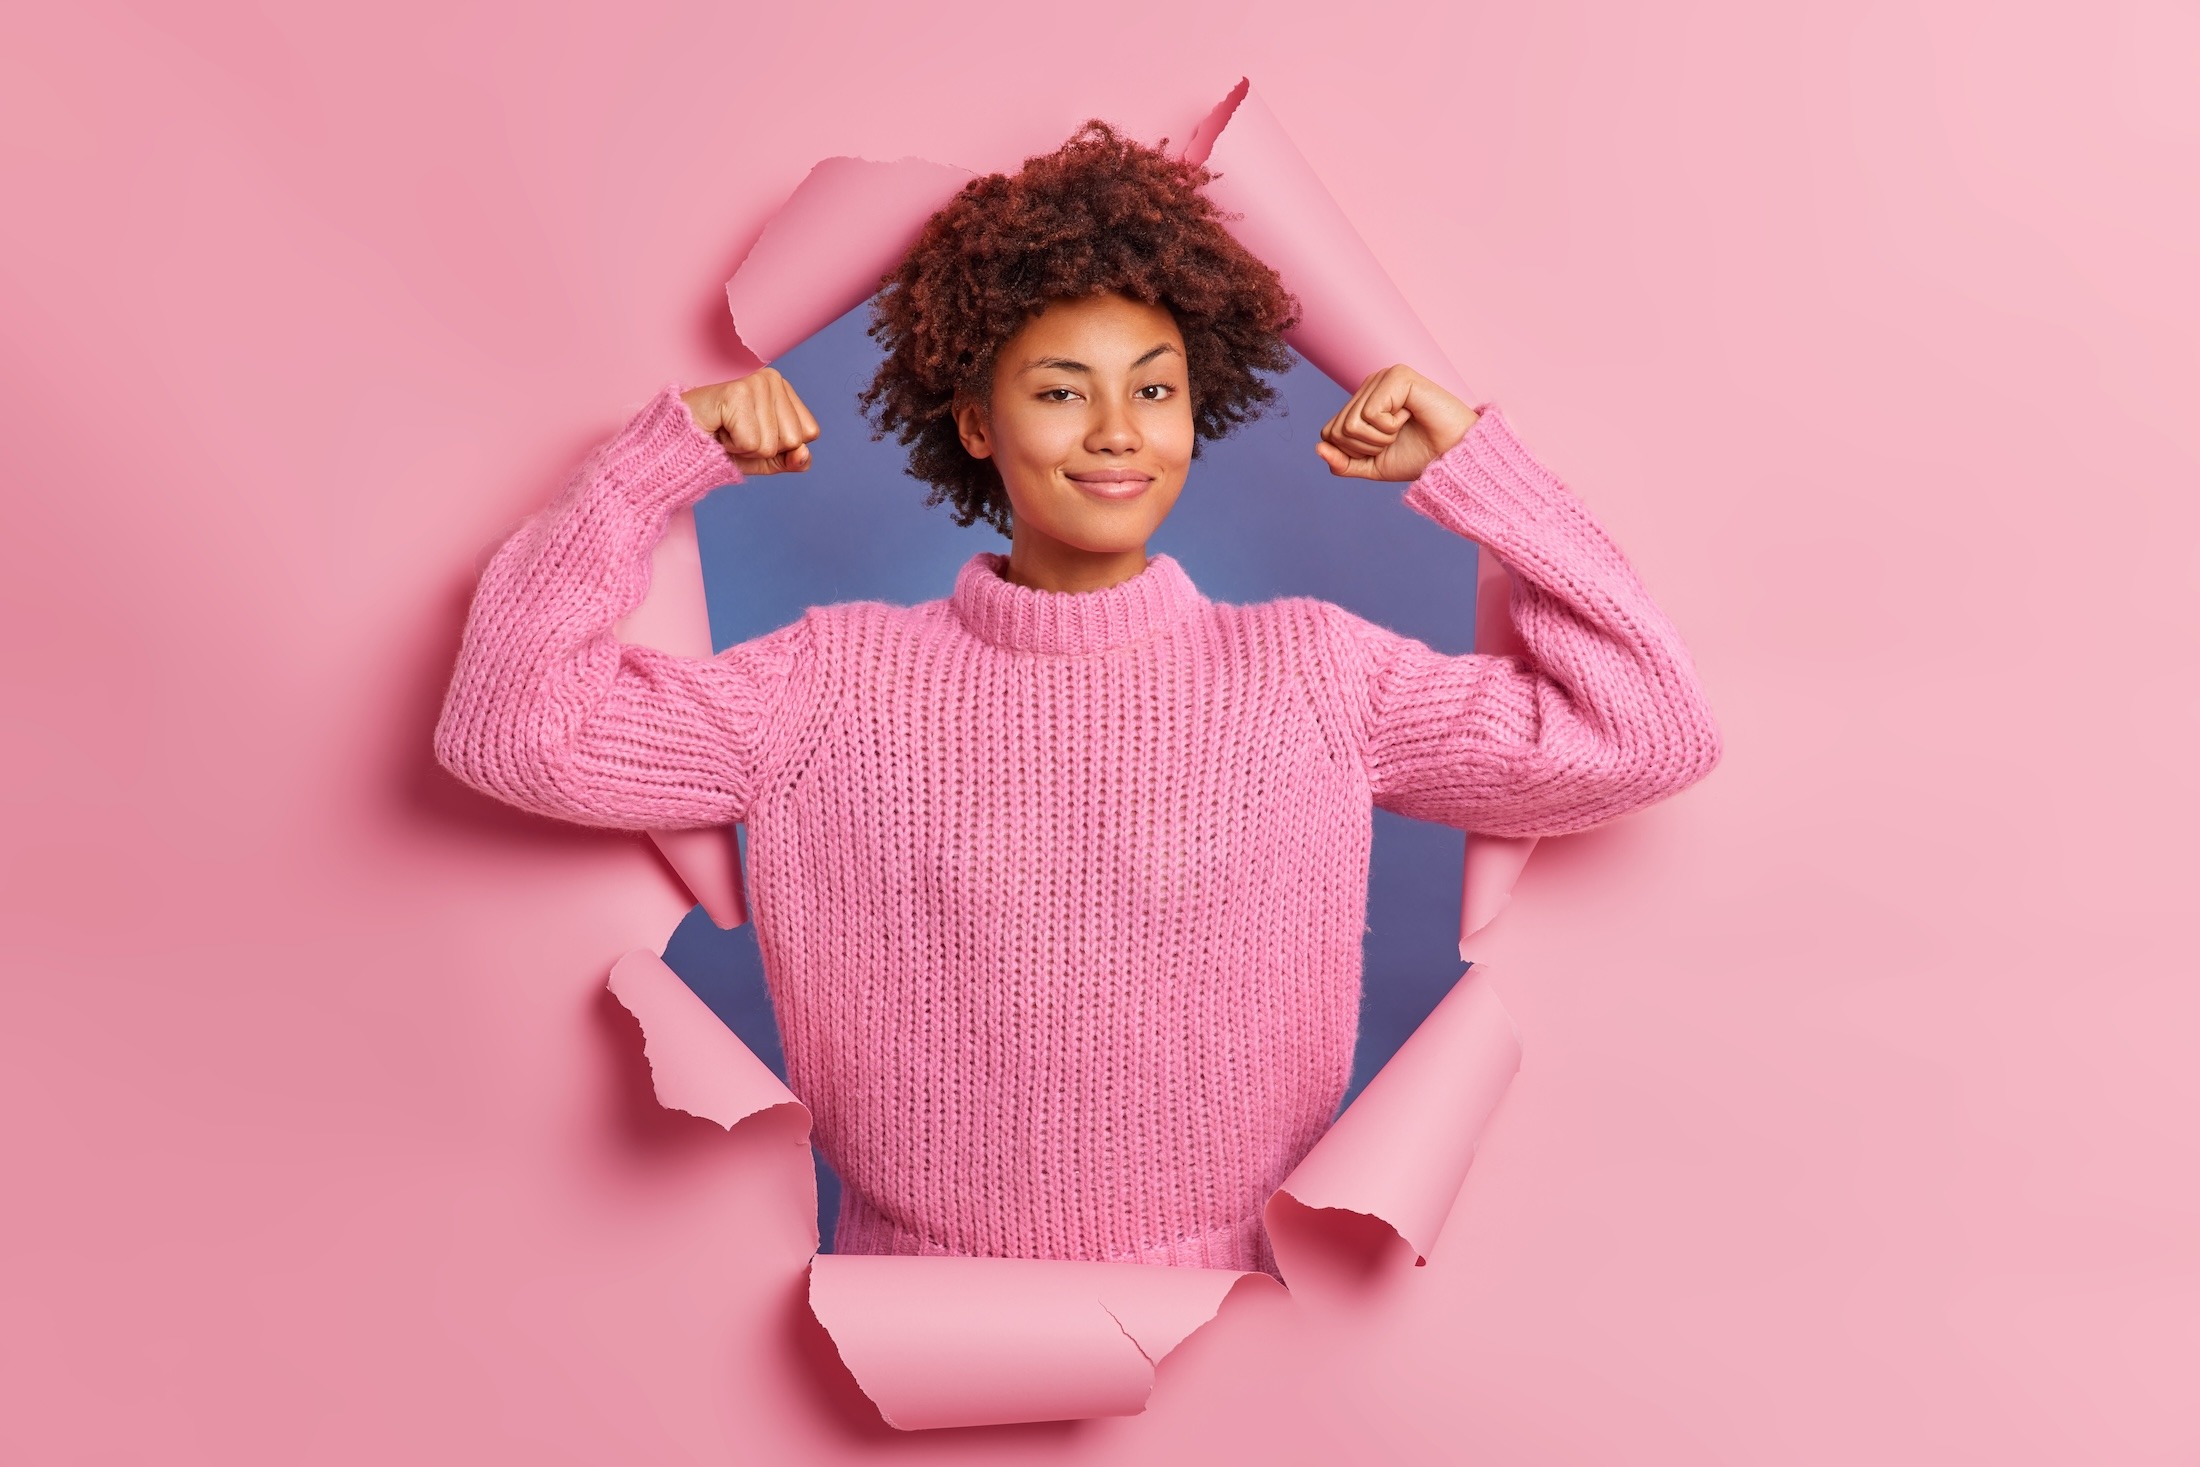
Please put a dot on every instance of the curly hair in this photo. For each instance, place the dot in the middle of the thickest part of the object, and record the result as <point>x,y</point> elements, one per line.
<point>1102,213</point>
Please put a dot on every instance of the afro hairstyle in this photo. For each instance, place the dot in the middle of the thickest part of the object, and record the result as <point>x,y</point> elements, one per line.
<point>1101,214</point>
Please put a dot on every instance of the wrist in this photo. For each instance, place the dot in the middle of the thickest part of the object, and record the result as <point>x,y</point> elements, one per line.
<point>1445,416</point>
<point>663,459</point>
<point>1455,433</point>
<point>695,400</point>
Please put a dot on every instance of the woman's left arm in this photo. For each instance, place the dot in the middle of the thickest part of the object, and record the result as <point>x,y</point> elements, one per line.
<point>1600,714</point>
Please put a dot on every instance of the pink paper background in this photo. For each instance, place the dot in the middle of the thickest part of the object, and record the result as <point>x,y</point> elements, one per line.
<point>1859,1114</point>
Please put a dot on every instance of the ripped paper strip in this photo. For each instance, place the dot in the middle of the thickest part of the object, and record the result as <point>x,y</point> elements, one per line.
<point>951,1341</point>
<point>848,223</point>
<point>993,1341</point>
<point>831,246</point>
<point>1354,321</point>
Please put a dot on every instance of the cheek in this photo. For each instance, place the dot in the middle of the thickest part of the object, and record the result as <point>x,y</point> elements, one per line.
<point>1162,509</point>
<point>1179,439</point>
<point>1038,440</point>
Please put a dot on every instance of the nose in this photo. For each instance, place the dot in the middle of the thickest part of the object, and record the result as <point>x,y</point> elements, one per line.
<point>1113,429</point>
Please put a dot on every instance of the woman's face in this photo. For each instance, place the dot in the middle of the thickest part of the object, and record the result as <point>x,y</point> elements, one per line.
<point>1090,423</point>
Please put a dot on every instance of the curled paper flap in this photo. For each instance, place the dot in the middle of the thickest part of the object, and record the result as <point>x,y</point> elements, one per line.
<point>941,1341</point>
<point>1399,1154</point>
<point>827,248</point>
<point>1486,880</point>
<point>1353,321</point>
<point>696,1063</point>
<point>708,863</point>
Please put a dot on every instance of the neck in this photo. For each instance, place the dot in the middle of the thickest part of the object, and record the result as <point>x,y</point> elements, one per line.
<point>1046,564</point>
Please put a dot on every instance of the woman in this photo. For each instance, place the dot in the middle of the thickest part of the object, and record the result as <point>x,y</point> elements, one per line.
<point>1060,880</point>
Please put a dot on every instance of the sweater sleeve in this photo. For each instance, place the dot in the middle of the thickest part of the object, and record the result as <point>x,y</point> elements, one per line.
<point>1602,712</point>
<point>549,711</point>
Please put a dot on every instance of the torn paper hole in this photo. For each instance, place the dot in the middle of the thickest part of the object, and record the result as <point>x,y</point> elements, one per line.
<point>950,1341</point>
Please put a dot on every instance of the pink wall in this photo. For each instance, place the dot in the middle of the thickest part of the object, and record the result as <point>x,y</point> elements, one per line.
<point>1858,1119</point>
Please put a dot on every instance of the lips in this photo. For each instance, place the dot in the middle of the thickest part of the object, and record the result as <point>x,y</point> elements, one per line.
<point>1112,483</point>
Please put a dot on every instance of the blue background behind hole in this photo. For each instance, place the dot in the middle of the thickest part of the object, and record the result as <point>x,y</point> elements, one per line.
<point>1259,518</point>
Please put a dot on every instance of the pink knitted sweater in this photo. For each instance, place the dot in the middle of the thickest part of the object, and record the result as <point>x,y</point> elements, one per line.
<point>1061,896</point>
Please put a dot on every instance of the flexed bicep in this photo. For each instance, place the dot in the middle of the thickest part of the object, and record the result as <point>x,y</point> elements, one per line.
<point>548,710</point>
<point>1490,744</point>
<point>1517,746</point>
<point>682,742</point>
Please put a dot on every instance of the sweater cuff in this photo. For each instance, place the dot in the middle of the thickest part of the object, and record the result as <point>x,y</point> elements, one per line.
<point>1488,481</point>
<point>662,461</point>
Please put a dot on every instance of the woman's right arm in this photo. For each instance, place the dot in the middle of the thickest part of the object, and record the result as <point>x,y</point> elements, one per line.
<point>548,710</point>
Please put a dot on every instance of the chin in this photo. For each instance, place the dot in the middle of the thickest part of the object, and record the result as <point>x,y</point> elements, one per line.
<point>1116,542</point>
<point>1099,529</point>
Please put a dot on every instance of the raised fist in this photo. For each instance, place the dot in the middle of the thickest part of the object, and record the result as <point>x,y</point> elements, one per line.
<point>1396,425</point>
<point>762,424</point>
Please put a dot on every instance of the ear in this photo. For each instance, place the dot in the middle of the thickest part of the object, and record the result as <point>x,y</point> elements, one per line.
<point>972,426</point>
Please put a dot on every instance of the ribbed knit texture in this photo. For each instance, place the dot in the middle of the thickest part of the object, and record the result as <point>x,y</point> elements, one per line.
<point>1061,896</point>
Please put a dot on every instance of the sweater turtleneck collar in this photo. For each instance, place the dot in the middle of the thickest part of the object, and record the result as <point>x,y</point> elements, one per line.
<point>1024,619</point>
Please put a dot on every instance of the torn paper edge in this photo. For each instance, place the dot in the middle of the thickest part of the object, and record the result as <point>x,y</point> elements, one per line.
<point>943,1341</point>
<point>829,247</point>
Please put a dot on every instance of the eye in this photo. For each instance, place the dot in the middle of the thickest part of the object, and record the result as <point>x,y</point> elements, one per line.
<point>1159,389</point>
<point>1057,394</point>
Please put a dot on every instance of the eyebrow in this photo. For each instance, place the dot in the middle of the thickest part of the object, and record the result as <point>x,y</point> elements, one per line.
<point>1065,364</point>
